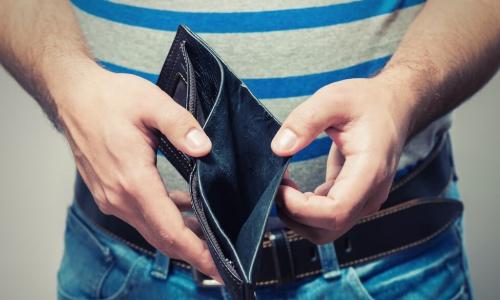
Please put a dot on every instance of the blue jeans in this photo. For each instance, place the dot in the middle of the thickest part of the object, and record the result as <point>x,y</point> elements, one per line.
<point>98,266</point>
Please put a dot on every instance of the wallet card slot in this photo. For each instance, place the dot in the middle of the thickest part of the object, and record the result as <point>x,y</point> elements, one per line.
<point>180,94</point>
<point>207,74</point>
<point>192,99</point>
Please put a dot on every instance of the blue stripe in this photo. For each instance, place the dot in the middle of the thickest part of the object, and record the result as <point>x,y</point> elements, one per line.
<point>225,22</point>
<point>317,148</point>
<point>120,69</point>
<point>294,86</point>
<point>284,87</point>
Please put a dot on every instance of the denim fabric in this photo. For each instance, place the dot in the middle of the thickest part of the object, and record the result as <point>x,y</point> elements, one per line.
<point>98,266</point>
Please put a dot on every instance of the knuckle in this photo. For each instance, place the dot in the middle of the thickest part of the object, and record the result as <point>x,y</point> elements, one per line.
<point>319,238</point>
<point>114,195</point>
<point>171,238</point>
<point>104,206</point>
<point>331,218</point>
<point>114,200</point>
<point>175,117</point>
<point>107,202</point>
<point>343,222</point>
<point>167,240</point>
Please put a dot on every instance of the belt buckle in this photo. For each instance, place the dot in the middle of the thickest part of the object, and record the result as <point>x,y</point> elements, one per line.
<point>203,280</point>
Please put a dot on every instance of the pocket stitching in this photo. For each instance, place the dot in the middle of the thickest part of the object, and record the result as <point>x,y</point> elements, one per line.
<point>129,281</point>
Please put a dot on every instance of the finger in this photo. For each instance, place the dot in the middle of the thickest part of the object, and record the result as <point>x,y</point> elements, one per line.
<point>287,173</point>
<point>181,199</point>
<point>353,187</point>
<point>334,163</point>
<point>309,209</point>
<point>99,196</point>
<point>305,123</point>
<point>193,224</point>
<point>166,226</point>
<point>289,182</point>
<point>315,235</point>
<point>177,124</point>
<point>333,166</point>
<point>356,180</point>
<point>324,188</point>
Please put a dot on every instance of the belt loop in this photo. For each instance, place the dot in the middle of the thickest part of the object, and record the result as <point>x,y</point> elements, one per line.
<point>329,262</point>
<point>160,266</point>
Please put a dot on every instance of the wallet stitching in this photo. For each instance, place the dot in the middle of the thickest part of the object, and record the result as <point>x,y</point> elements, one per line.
<point>170,70</point>
<point>180,158</point>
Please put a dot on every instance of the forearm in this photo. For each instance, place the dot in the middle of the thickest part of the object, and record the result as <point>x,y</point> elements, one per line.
<point>40,44</point>
<point>448,53</point>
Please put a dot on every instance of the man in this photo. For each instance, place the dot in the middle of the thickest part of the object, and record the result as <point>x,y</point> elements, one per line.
<point>377,77</point>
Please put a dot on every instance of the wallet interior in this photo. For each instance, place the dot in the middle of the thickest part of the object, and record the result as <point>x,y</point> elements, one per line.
<point>237,181</point>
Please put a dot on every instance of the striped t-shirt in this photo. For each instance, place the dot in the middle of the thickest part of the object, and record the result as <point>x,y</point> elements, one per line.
<point>283,50</point>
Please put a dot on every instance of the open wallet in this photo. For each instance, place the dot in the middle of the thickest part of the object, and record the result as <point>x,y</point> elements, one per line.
<point>233,187</point>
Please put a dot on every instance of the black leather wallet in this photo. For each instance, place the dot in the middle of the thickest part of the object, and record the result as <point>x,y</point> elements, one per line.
<point>233,187</point>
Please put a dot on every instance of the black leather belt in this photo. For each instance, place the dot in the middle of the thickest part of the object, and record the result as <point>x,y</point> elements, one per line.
<point>414,213</point>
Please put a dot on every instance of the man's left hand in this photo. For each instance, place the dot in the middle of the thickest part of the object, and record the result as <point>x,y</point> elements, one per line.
<point>369,121</point>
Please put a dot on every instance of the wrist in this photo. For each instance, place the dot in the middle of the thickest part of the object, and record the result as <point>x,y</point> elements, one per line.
<point>410,89</point>
<point>66,78</point>
<point>63,74</point>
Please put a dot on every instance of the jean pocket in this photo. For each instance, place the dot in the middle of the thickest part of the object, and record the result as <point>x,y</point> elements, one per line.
<point>91,268</point>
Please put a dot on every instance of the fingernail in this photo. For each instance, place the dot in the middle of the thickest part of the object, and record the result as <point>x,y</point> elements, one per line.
<point>286,140</point>
<point>219,280</point>
<point>196,138</point>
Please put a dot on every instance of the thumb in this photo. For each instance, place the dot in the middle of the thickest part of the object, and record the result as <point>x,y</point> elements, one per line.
<point>178,125</point>
<point>305,123</point>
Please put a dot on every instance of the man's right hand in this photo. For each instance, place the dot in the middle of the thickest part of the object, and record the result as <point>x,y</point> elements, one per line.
<point>109,120</point>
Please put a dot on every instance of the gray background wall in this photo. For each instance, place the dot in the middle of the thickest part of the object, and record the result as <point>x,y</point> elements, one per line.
<point>36,177</point>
